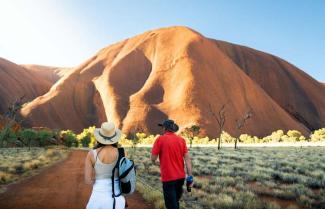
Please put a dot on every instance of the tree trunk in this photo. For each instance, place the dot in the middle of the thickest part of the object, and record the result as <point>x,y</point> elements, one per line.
<point>236,143</point>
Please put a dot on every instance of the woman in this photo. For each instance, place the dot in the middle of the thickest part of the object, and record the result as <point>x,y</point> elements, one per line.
<point>98,169</point>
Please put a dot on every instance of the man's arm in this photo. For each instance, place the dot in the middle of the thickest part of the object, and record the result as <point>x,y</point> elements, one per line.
<point>188,164</point>
<point>155,151</point>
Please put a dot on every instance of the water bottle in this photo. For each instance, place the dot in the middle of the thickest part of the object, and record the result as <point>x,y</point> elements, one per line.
<point>189,181</point>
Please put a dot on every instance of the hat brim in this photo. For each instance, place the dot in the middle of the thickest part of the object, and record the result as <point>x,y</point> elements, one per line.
<point>160,124</point>
<point>102,140</point>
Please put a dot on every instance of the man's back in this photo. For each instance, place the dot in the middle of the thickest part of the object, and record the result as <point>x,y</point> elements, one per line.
<point>171,150</point>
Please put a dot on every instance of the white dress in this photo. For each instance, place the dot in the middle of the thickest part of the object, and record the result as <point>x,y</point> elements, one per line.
<point>101,196</point>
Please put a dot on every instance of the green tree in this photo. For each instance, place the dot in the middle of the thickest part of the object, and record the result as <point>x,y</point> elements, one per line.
<point>28,136</point>
<point>191,132</point>
<point>9,137</point>
<point>44,136</point>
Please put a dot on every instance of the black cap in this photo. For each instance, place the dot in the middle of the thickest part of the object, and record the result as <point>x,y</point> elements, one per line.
<point>169,125</point>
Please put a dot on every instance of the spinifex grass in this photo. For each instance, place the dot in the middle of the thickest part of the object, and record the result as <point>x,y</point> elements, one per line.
<point>249,177</point>
<point>20,162</point>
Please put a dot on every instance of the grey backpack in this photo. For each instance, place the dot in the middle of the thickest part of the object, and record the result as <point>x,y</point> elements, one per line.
<point>126,173</point>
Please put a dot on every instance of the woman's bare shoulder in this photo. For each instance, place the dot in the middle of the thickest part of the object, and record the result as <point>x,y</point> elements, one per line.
<point>90,155</point>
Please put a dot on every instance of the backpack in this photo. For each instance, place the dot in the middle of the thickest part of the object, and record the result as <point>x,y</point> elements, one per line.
<point>126,174</point>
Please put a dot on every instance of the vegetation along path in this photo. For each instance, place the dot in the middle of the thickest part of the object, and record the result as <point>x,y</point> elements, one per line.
<point>60,186</point>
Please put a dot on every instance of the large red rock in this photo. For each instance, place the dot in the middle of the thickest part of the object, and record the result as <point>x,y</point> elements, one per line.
<point>295,91</point>
<point>48,73</point>
<point>17,81</point>
<point>178,73</point>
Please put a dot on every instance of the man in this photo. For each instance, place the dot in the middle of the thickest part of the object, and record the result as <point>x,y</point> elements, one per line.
<point>172,152</point>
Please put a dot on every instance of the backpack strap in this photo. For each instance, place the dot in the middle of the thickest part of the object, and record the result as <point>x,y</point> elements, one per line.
<point>96,155</point>
<point>121,154</point>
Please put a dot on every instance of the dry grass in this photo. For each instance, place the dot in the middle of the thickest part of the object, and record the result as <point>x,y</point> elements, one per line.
<point>18,163</point>
<point>224,178</point>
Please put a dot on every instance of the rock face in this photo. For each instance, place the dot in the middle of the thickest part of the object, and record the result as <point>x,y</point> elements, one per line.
<point>297,93</point>
<point>48,73</point>
<point>17,81</point>
<point>178,73</point>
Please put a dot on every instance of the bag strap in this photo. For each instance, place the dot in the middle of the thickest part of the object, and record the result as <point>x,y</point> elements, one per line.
<point>96,153</point>
<point>121,154</point>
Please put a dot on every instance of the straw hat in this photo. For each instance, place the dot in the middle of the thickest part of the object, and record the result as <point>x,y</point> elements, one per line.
<point>108,133</point>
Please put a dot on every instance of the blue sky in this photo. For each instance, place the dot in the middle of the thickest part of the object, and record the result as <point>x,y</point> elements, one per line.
<point>67,32</point>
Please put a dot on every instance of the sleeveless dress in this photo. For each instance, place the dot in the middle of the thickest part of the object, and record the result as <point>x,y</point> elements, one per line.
<point>101,196</point>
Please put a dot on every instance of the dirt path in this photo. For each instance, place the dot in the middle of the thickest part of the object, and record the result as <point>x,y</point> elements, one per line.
<point>58,187</point>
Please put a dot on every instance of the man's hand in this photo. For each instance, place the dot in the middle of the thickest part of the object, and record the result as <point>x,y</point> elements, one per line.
<point>189,183</point>
<point>154,158</point>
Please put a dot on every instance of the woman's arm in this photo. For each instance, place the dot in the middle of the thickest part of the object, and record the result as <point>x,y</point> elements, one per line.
<point>89,170</point>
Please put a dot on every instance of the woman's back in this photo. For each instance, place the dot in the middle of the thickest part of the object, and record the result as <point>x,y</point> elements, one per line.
<point>105,161</point>
<point>99,165</point>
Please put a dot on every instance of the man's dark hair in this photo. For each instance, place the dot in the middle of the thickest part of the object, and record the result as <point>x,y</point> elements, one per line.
<point>169,125</point>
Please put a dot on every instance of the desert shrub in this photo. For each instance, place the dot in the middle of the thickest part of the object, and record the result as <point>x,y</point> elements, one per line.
<point>34,164</point>
<point>125,142</point>
<point>305,201</point>
<point>258,175</point>
<point>272,205</point>
<point>85,137</point>
<point>226,137</point>
<point>224,201</point>
<point>245,138</point>
<point>283,194</point>
<point>299,189</point>
<point>4,177</point>
<point>69,138</point>
<point>318,135</point>
<point>43,136</point>
<point>19,162</point>
<point>315,183</point>
<point>295,135</point>
<point>225,181</point>
<point>228,172</point>
<point>143,139</point>
<point>292,207</point>
<point>274,137</point>
<point>201,183</point>
<point>28,136</point>
<point>151,195</point>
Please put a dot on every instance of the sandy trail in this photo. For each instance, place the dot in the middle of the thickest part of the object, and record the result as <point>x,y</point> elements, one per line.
<point>60,186</point>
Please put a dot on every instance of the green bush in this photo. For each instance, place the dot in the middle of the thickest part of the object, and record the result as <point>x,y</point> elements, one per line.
<point>86,138</point>
<point>44,136</point>
<point>28,136</point>
<point>69,138</point>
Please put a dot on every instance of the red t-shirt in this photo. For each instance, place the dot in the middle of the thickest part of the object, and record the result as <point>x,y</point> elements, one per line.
<point>171,150</point>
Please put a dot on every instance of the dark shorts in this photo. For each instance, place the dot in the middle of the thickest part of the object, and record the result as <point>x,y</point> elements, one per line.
<point>173,191</point>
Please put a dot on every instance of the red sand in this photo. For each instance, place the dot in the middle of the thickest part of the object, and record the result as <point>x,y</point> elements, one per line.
<point>60,186</point>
